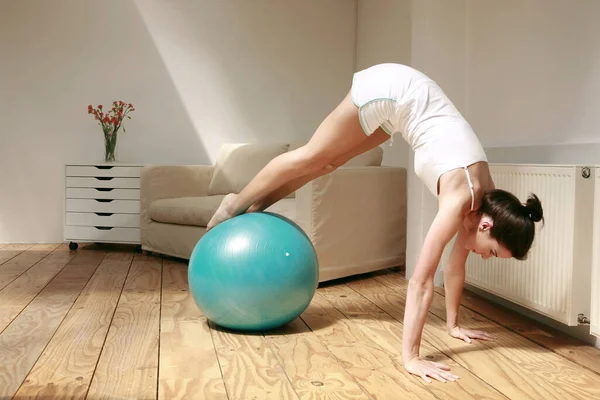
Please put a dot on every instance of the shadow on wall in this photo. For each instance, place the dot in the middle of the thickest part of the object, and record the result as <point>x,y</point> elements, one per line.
<point>255,71</point>
<point>175,138</point>
<point>61,56</point>
<point>200,73</point>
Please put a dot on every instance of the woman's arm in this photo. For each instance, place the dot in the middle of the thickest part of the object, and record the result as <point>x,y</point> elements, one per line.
<point>420,289</point>
<point>454,279</point>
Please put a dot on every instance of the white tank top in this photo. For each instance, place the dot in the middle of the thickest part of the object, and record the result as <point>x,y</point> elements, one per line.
<point>403,100</point>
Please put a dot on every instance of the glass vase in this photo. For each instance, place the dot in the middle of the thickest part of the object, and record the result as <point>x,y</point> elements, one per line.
<point>110,146</point>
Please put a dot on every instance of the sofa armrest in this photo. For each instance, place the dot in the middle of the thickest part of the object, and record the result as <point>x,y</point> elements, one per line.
<point>356,218</point>
<point>168,181</point>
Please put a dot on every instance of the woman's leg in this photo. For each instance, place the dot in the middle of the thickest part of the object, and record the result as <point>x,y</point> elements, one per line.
<point>375,139</point>
<point>338,133</point>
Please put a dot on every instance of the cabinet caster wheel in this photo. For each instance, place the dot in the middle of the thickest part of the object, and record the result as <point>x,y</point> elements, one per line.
<point>73,246</point>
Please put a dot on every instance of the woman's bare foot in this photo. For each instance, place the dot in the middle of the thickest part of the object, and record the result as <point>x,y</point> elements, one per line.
<point>223,213</point>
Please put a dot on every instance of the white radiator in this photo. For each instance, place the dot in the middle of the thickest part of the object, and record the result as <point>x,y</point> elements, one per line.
<point>595,312</point>
<point>555,279</point>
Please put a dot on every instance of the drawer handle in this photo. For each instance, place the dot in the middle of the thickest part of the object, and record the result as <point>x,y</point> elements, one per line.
<point>103,166</point>
<point>103,228</point>
<point>104,189</point>
<point>104,214</point>
<point>104,200</point>
<point>104,178</point>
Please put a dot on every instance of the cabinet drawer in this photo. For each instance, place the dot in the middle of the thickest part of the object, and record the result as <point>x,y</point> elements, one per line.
<point>106,206</point>
<point>91,233</point>
<point>103,182</point>
<point>103,219</point>
<point>103,193</point>
<point>113,171</point>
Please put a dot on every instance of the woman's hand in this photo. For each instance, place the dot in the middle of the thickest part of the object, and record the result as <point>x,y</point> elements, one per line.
<point>424,368</point>
<point>468,334</point>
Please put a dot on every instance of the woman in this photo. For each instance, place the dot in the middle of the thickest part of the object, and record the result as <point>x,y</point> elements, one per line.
<point>389,99</point>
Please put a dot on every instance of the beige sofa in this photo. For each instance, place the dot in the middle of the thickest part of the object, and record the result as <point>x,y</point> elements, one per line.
<point>355,216</point>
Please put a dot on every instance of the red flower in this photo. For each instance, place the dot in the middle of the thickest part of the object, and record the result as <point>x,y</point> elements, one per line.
<point>111,120</point>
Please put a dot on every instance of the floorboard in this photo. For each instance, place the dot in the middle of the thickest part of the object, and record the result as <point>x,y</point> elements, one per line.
<point>24,339</point>
<point>13,268</point>
<point>250,368</point>
<point>371,366</point>
<point>128,366</point>
<point>108,322</point>
<point>16,295</point>
<point>494,370</point>
<point>9,251</point>
<point>66,366</point>
<point>188,366</point>
<point>547,372</point>
<point>313,371</point>
<point>381,327</point>
<point>567,346</point>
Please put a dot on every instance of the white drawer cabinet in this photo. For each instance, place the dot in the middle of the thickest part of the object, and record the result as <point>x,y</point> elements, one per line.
<point>102,203</point>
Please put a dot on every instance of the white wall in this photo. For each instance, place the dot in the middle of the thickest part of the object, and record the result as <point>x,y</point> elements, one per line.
<point>533,86</point>
<point>199,73</point>
<point>522,73</point>
<point>533,69</point>
<point>428,35</point>
<point>525,74</point>
<point>384,35</point>
<point>584,153</point>
<point>438,36</point>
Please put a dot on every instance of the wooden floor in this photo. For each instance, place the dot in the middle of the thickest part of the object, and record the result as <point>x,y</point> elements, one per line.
<point>111,323</point>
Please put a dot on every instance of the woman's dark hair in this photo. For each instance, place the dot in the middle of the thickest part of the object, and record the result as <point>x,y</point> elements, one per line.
<point>514,222</point>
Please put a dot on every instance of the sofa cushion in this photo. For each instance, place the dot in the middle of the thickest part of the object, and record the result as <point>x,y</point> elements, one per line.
<point>185,210</point>
<point>238,163</point>
<point>371,158</point>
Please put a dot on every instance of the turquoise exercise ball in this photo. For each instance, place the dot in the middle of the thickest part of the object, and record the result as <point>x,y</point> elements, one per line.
<point>253,272</point>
